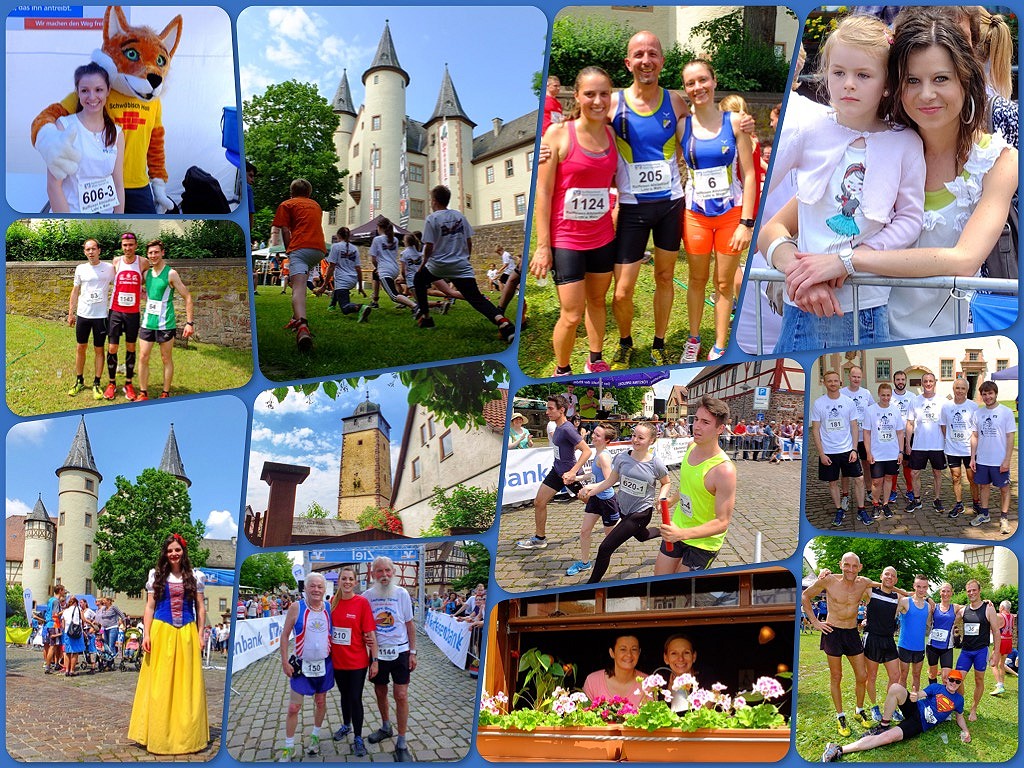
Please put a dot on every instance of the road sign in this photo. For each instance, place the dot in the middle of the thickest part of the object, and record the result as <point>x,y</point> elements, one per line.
<point>762,395</point>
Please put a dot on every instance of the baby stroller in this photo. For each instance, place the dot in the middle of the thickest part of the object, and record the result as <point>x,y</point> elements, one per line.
<point>106,656</point>
<point>131,654</point>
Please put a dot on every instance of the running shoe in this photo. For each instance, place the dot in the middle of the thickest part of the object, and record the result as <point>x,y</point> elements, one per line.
<point>894,497</point>
<point>842,727</point>
<point>691,351</point>
<point>364,313</point>
<point>954,513</point>
<point>715,353</point>
<point>447,306</point>
<point>837,521</point>
<point>374,305</point>
<point>887,511</point>
<point>566,372</point>
<point>292,325</point>
<point>865,517</point>
<point>342,732</point>
<point>97,393</point>
<point>833,752</point>
<point>844,503</point>
<point>876,511</point>
<point>868,498</point>
<point>534,542</point>
<point>129,392</point>
<point>976,507</point>
<point>143,395</point>
<point>358,748</point>
<point>876,714</point>
<point>506,330</point>
<point>110,391</point>
<point>425,321</point>
<point>939,506</point>
<point>287,755</point>
<point>164,395</point>
<point>303,338</point>
<point>598,366</point>
<point>578,567</point>
<point>862,719</point>
<point>999,690</point>
<point>1004,526</point>
<point>314,746</point>
<point>659,356</point>
<point>77,387</point>
<point>623,358</point>
<point>913,505</point>
<point>380,734</point>
<point>878,728</point>
<point>897,716</point>
<point>981,519</point>
<point>403,755</point>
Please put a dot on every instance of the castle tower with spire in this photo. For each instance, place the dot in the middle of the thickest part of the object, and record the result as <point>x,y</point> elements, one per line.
<point>37,563</point>
<point>77,507</point>
<point>365,475</point>
<point>449,117</point>
<point>171,462</point>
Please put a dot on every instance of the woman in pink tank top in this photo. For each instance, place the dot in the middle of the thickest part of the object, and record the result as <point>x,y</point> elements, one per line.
<point>573,211</point>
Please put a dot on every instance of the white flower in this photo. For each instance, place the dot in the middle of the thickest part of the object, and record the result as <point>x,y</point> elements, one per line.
<point>652,682</point>
<point>719,687</point>
<point>685,680</point>
<point>769,687</point>
<point>739,703</point>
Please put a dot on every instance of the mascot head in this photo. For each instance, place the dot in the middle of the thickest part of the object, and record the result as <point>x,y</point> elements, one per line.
<point>136,58</point>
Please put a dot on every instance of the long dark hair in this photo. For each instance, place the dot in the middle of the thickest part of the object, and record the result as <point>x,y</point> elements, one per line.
<point>920,28</point>
<point>344,233</point>
<point>109,128</point>
<point>610,669</point>
<point>389,231</point>
<point>163,570</point>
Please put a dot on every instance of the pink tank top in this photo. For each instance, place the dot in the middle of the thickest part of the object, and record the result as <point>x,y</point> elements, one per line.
<point>581,217</point>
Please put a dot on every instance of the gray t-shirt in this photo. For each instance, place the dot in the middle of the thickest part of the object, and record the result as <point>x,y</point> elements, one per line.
<point>345,258</point>
<point>565,438</point>
<point>449,233</point>
<point>639,482</point>
<point>413,260</point>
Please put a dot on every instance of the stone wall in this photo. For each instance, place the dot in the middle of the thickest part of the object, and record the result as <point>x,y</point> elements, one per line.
<point>489,237</point>
<point>219,288</point>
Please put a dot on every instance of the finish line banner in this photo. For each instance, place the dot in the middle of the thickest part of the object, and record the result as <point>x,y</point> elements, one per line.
<point>254,639</point>
<point>450,635</point>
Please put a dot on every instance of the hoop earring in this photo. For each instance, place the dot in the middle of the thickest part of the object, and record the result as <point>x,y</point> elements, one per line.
<point>970,118</point>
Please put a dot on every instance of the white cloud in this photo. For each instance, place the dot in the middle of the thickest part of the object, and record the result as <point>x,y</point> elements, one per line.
<point>321,485</point>
<point>29,432</point>
<point>221,524</point>
<point>299,439</point>
<point>282,53</point>
<point>17,507</point>
<point>294,402</point>
<point>293,23</point>
<point>254,80</point>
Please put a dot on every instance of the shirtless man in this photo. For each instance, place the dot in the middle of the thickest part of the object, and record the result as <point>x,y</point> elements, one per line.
<point>839,635</point>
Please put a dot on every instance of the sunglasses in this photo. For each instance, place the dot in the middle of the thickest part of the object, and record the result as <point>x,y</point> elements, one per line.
<point>955,681</point>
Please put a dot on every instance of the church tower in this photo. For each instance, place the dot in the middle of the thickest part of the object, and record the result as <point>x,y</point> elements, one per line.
<point>37,565</point>
<point>77,506</point>
<point>365,476</point>
<point>383,130</point>
<point>171,461</point>
<point>449,117</point>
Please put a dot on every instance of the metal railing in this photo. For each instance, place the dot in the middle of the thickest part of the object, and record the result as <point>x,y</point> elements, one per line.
<point>950,283</point>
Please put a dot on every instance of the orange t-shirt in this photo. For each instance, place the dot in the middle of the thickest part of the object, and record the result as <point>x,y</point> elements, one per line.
<point>303,216</point>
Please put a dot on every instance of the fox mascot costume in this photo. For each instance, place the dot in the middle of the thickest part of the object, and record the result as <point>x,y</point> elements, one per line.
<point>136,60</point>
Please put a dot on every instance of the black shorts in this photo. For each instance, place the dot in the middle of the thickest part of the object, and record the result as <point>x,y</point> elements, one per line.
<point>123,322</point>
<point>879,648</point>
<point>918,459</point>
<point>885,468</point>
<point>958,461</point>
<point>841,464</point>
<point>694,558</point>
<point>841,642</point>
<point>157,337</point>
<point>862,451</point>
<point>396,669</point>
<point>911,725</point>
<point>553,480</point>
<point>638,221</point>
<point>944,658</point>
<point>608,509</point>
<point>908,656</point>
<point>571,266</point>
<point>94,326</point>
<point>504,278</point>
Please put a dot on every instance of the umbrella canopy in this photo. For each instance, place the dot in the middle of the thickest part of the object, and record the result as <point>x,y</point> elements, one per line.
<point>633,379</point>
<point>364,233</point>
<point>1006,374</point>
<point>89,599</point>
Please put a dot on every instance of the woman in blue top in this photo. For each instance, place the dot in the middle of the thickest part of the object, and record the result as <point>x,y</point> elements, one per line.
<point>940,638</point>
<point>601,506</point>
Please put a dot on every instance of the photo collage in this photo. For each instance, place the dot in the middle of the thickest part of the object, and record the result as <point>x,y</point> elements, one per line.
<point>516,410</point>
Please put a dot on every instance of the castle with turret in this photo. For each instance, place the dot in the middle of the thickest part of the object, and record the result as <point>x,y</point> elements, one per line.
<point>393,160</point>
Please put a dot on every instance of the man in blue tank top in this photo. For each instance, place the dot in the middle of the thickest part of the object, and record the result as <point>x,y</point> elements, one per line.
<point>916,611</point>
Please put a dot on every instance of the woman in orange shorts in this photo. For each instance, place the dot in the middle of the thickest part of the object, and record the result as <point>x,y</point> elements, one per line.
<point>719,213</point>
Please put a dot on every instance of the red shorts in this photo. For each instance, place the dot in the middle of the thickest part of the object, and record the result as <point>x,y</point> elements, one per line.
<point>704,234</point>
<point>1005,645</point>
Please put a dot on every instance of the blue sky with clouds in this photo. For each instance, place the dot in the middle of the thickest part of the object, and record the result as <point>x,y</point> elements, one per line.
<point>211,438</point>
<point>307,431</point>
<point>491,53</point>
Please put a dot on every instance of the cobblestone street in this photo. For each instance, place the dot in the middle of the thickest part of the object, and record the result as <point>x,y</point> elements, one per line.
<point>767,501</point>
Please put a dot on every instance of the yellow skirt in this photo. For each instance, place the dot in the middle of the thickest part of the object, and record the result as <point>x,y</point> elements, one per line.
<point>169,716</point>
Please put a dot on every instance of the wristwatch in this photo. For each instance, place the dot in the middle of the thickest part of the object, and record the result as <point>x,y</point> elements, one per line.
<point>846,256</point>
<point>412,651</point>
<point>747,223</point>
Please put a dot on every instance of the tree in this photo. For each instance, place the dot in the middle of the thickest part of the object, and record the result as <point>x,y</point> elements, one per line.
<point>316,512</point>
<point>759,23</point>
<point>741,63</point>
<point>134,524</point>
<point>630,399</point>
<point>265,572</point>
<point>479,566</point>
<point>16,606</point>
<point>455,394</point>
<point>465,506</point>
<point>289,134</point>
<point>909,558</point>
<point>959,573</point>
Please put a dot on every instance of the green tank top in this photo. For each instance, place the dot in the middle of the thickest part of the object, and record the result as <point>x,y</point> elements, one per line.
<point>159,301</point>
<point>697,504</point>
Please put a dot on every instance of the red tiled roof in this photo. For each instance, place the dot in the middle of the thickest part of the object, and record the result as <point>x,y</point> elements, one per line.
<point>16,538</point>
<point>496,411</point>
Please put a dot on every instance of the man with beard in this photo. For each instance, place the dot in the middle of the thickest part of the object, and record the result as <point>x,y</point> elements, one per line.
<point>396,653</point>
<point>903,399</point>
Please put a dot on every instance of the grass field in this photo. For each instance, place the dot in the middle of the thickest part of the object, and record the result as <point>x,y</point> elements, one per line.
<point>41,369</point>
<point>536,356</point>
<point>341,345</point>
<point>993,736</point>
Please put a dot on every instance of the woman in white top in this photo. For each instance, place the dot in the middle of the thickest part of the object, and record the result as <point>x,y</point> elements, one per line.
<point>98,184</point>
<point>384,252</point>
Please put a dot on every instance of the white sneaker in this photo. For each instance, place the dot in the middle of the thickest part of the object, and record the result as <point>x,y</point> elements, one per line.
<point>533,542</point>
<point>980,519</point>
<point>844,504</point>
<point>1004,526</point>
<point>691,351</point>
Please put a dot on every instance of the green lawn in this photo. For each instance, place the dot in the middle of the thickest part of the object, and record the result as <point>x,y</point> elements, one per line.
<point>41,358</point>
<point>993,736</point>
<point>536,356</point>
<point>341,345</point>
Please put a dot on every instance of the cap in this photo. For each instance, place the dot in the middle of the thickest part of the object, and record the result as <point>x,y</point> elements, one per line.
<point>518,416</point>
<point>955,674</point>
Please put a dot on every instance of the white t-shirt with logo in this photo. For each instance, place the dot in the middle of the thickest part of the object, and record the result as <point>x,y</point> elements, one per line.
<point>925,413</point>
<point>992,425</point>
<point>883,423</point>
<point>861,398</point>
<point>93,283</point>
<point>834,417</point>
<point>958,421</point>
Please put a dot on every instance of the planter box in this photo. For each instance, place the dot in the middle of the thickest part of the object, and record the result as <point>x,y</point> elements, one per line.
<point>705,745</point>
<point>571,744</point>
